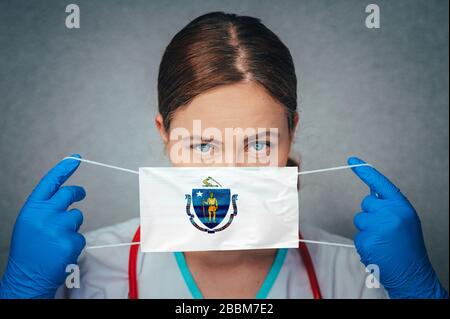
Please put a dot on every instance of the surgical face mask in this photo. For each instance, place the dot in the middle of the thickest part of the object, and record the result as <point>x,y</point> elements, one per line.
<point>218,208</point>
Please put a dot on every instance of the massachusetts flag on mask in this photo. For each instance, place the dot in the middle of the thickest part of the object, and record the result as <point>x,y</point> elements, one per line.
<point>218,208</point>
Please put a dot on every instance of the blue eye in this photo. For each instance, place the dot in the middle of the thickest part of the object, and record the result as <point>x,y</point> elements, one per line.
<point>204,147</point>
<point>258,146</point>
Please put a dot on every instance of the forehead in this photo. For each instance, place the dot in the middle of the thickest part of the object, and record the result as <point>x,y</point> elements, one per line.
<point>241,105</point>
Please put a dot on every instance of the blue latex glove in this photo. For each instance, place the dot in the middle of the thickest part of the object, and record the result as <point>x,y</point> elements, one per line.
<point>391,237</point>
<point>45,238</point>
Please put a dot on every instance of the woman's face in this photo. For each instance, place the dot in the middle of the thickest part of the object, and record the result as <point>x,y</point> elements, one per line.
<point>232,125</point>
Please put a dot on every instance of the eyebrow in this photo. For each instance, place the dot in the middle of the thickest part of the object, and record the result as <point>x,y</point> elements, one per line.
<point>268,134</point>
<point>259,135</point>
<point>198,137</point>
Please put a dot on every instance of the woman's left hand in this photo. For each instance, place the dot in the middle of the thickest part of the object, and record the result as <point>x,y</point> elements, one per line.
<point>390,236</point>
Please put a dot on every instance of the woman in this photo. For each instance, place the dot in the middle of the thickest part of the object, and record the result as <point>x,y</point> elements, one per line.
<point>227,71</point>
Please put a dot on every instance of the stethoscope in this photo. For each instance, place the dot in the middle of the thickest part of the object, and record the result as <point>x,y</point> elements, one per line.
<point>134,252</point>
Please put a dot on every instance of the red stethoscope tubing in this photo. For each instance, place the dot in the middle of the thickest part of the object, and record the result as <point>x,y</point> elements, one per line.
<point>134,252</point>
<point>132,266</point>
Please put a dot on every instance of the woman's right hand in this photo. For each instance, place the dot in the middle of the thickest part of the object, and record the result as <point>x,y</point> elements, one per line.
<point>45,238</point>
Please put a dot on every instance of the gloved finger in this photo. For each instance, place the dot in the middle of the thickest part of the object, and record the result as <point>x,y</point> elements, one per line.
<point>370,203</point>
<point>66,196</point>
<point>360,241</point>
<point>363,220</point>
<point>376,181</point>
<point>78,243</point>
<point>50,183</point>
<point>70,220</point>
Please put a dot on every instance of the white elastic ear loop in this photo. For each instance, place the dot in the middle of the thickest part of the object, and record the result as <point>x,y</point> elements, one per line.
<point>333,169</point>
<point>102,164</point>
<point>300,173</point>
<point>300,240</point>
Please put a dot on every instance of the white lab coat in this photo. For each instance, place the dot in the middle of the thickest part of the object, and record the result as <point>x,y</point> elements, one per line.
<point>104,272</point>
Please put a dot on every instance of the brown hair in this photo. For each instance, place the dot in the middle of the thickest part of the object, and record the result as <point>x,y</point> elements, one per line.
<point>218,49</point>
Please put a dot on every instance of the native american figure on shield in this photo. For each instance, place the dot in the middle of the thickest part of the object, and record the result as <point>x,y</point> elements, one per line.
<point>212,207</point>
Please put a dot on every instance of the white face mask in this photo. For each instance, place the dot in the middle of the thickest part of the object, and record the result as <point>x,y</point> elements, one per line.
<point>218,208</point>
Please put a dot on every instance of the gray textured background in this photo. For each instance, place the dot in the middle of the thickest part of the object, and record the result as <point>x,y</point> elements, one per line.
<point>379,94</point>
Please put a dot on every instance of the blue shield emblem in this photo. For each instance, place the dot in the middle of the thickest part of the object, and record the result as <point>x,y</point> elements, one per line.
<point>211,205</point>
